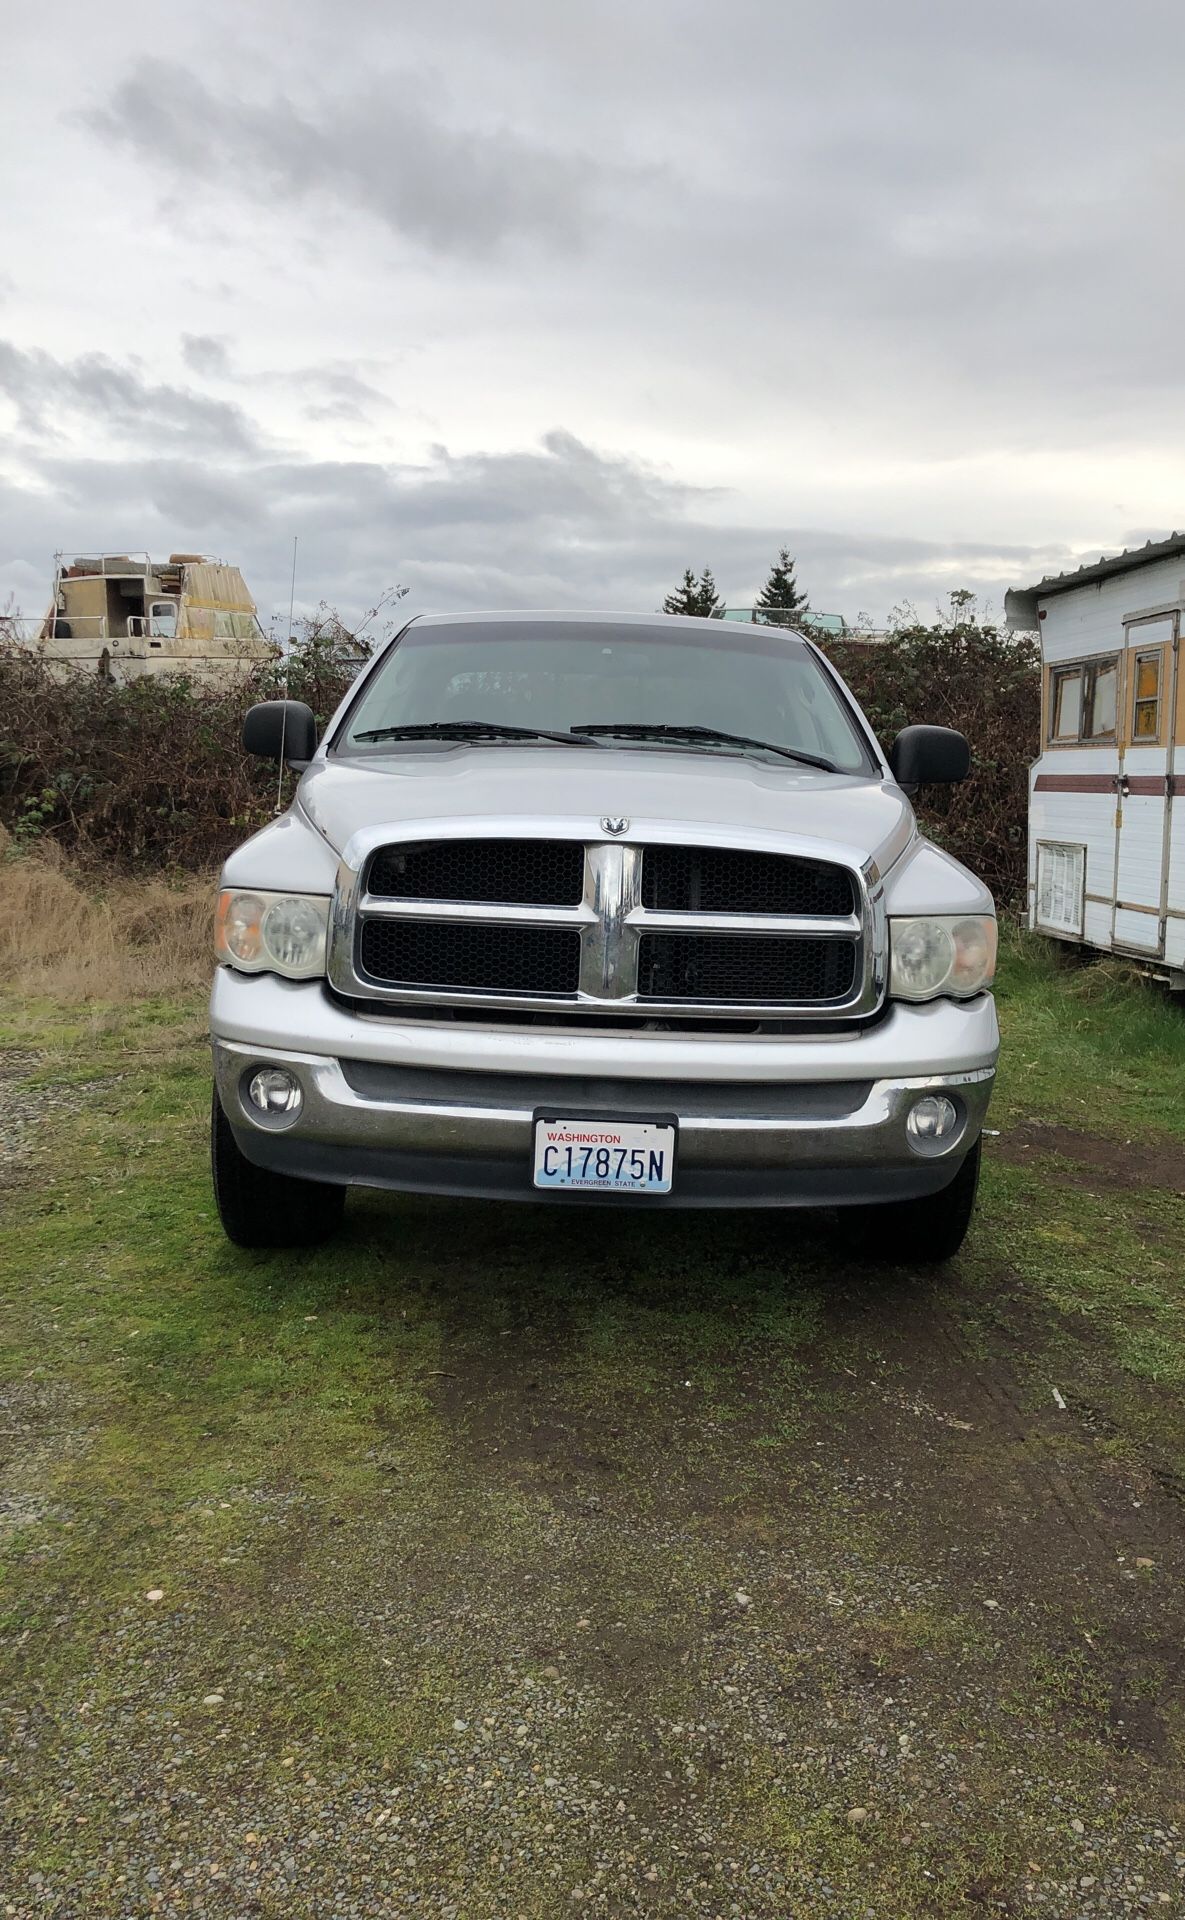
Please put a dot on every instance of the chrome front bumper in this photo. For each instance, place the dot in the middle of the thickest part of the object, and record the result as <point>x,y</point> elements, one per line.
<point>421,1106</point>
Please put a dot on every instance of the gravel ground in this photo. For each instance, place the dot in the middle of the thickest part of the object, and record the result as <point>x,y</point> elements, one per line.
<point>21,1106</point>
<point>522,1576</point>
<point>636,1706</point>
<point>559,1786</point>
<point>25,1107</point>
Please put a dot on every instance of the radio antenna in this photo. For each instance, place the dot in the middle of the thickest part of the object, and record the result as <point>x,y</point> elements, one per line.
<point>287,656</point>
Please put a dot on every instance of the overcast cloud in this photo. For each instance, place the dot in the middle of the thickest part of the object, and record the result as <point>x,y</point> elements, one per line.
<point>383,149</point>
<point>526,304</point>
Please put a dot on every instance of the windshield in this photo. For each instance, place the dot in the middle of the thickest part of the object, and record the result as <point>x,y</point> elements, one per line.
<point>564,674</point>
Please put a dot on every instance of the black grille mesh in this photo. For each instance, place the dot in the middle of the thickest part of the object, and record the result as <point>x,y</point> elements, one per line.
<point>492,959</point>
<point>509,873</point>
<point>744,967</point>
<point>731,880</point>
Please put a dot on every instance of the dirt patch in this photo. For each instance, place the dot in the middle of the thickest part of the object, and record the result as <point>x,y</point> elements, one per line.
<point>1102,1162</point>
<point>892,1473</point>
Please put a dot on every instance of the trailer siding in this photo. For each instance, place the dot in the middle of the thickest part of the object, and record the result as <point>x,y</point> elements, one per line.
<point>1089,619</point>
<point>1074,797</point>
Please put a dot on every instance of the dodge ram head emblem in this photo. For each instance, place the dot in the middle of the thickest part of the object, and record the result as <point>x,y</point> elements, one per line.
<point>613,823</point>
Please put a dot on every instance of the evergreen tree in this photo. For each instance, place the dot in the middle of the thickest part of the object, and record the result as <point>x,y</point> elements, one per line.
<point>709,600</point>
<point>781,590</point>
<point>694,596</point>
<point>685,598</point>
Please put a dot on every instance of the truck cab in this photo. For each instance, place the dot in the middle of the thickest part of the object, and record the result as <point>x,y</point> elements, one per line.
<point>601,910</point>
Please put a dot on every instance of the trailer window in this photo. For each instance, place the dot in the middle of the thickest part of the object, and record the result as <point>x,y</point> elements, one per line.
<point>1084,704</point>
<point>1101,703</point>
<point>1146,707</point>
<point>1067,705</point>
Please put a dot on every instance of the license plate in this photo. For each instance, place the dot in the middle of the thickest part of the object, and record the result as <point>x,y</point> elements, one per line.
<point>604,1156</point>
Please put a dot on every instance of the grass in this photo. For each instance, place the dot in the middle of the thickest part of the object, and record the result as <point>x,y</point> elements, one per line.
<point>1098,1046</point>
<point>382,1486</point>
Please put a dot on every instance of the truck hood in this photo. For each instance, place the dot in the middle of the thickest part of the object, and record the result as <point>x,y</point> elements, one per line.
<point>663,793</point>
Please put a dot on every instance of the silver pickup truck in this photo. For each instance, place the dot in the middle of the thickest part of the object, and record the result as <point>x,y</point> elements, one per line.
<point>621,910</point>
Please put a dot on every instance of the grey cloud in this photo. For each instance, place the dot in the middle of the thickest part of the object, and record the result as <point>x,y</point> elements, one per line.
<point>117,401</point>
<point>337,393</point>
<point>557,525</point>
<point>207,354</point>
<point>333,389</point>
<point>891,269</point>
<point>942,231</point>
<point>452,188</point>
<point>940,225</point>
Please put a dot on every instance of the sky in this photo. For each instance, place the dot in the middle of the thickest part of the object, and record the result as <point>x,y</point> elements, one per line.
<point>530,303</point>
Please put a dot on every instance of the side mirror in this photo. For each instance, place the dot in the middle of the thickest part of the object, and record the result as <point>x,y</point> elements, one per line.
<point>281,730</point>
<point>927,756</point>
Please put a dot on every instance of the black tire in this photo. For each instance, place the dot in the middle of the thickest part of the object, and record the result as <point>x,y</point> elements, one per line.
<point>918,1232</point>
<point>262,1209</point>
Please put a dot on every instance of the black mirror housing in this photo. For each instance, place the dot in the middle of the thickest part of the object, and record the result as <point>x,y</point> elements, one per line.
<point>929,756</point>
<point>281,729</point>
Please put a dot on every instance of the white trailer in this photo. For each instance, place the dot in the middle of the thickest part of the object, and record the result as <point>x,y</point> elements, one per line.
<point>1107,791</point>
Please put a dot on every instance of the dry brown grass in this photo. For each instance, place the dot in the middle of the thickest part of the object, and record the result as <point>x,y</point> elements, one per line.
<point>71,941</point>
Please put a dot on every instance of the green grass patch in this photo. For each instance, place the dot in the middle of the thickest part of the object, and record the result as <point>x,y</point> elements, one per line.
<point>1098,1045</point>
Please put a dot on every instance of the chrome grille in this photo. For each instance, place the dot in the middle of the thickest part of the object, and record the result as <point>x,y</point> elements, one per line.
<point>606,927</point>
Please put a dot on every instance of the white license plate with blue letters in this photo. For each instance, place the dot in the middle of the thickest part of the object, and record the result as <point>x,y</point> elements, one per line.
<point>604,1156</point>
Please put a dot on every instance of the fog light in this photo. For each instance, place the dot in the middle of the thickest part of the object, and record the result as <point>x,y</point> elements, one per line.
<point>931,1119</point>
<point>275,1090</point>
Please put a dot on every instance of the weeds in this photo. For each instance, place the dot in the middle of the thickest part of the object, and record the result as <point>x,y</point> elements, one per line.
<point>64,940</point>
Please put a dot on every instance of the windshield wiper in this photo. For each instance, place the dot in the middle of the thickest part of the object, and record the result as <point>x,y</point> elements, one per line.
<point>645,730</point>
<point>473,730</point>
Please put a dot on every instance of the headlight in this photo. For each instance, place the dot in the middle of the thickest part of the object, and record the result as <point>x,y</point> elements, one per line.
<point>955,954</point>
<point>272,932</point>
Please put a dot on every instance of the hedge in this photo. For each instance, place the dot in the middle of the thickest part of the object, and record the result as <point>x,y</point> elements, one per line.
<point>149,775</point>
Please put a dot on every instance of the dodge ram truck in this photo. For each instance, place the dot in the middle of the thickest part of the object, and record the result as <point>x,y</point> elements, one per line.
<point>601,910</point>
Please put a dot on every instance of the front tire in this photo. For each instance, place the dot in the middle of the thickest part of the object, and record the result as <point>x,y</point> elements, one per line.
<point>918,1232</point>
<point>259,1208</point>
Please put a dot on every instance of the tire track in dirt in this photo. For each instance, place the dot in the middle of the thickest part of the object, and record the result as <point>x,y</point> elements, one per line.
<point>1097,1160</point>
<point>1039,1464</point>
<point>1017,1482</point>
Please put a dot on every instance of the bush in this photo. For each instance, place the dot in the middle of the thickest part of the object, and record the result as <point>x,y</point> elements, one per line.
<point>988,685</point>
<point>149,775</point>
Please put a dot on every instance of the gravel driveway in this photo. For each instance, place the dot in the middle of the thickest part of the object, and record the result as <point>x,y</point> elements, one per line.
<point>476,1568</point>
